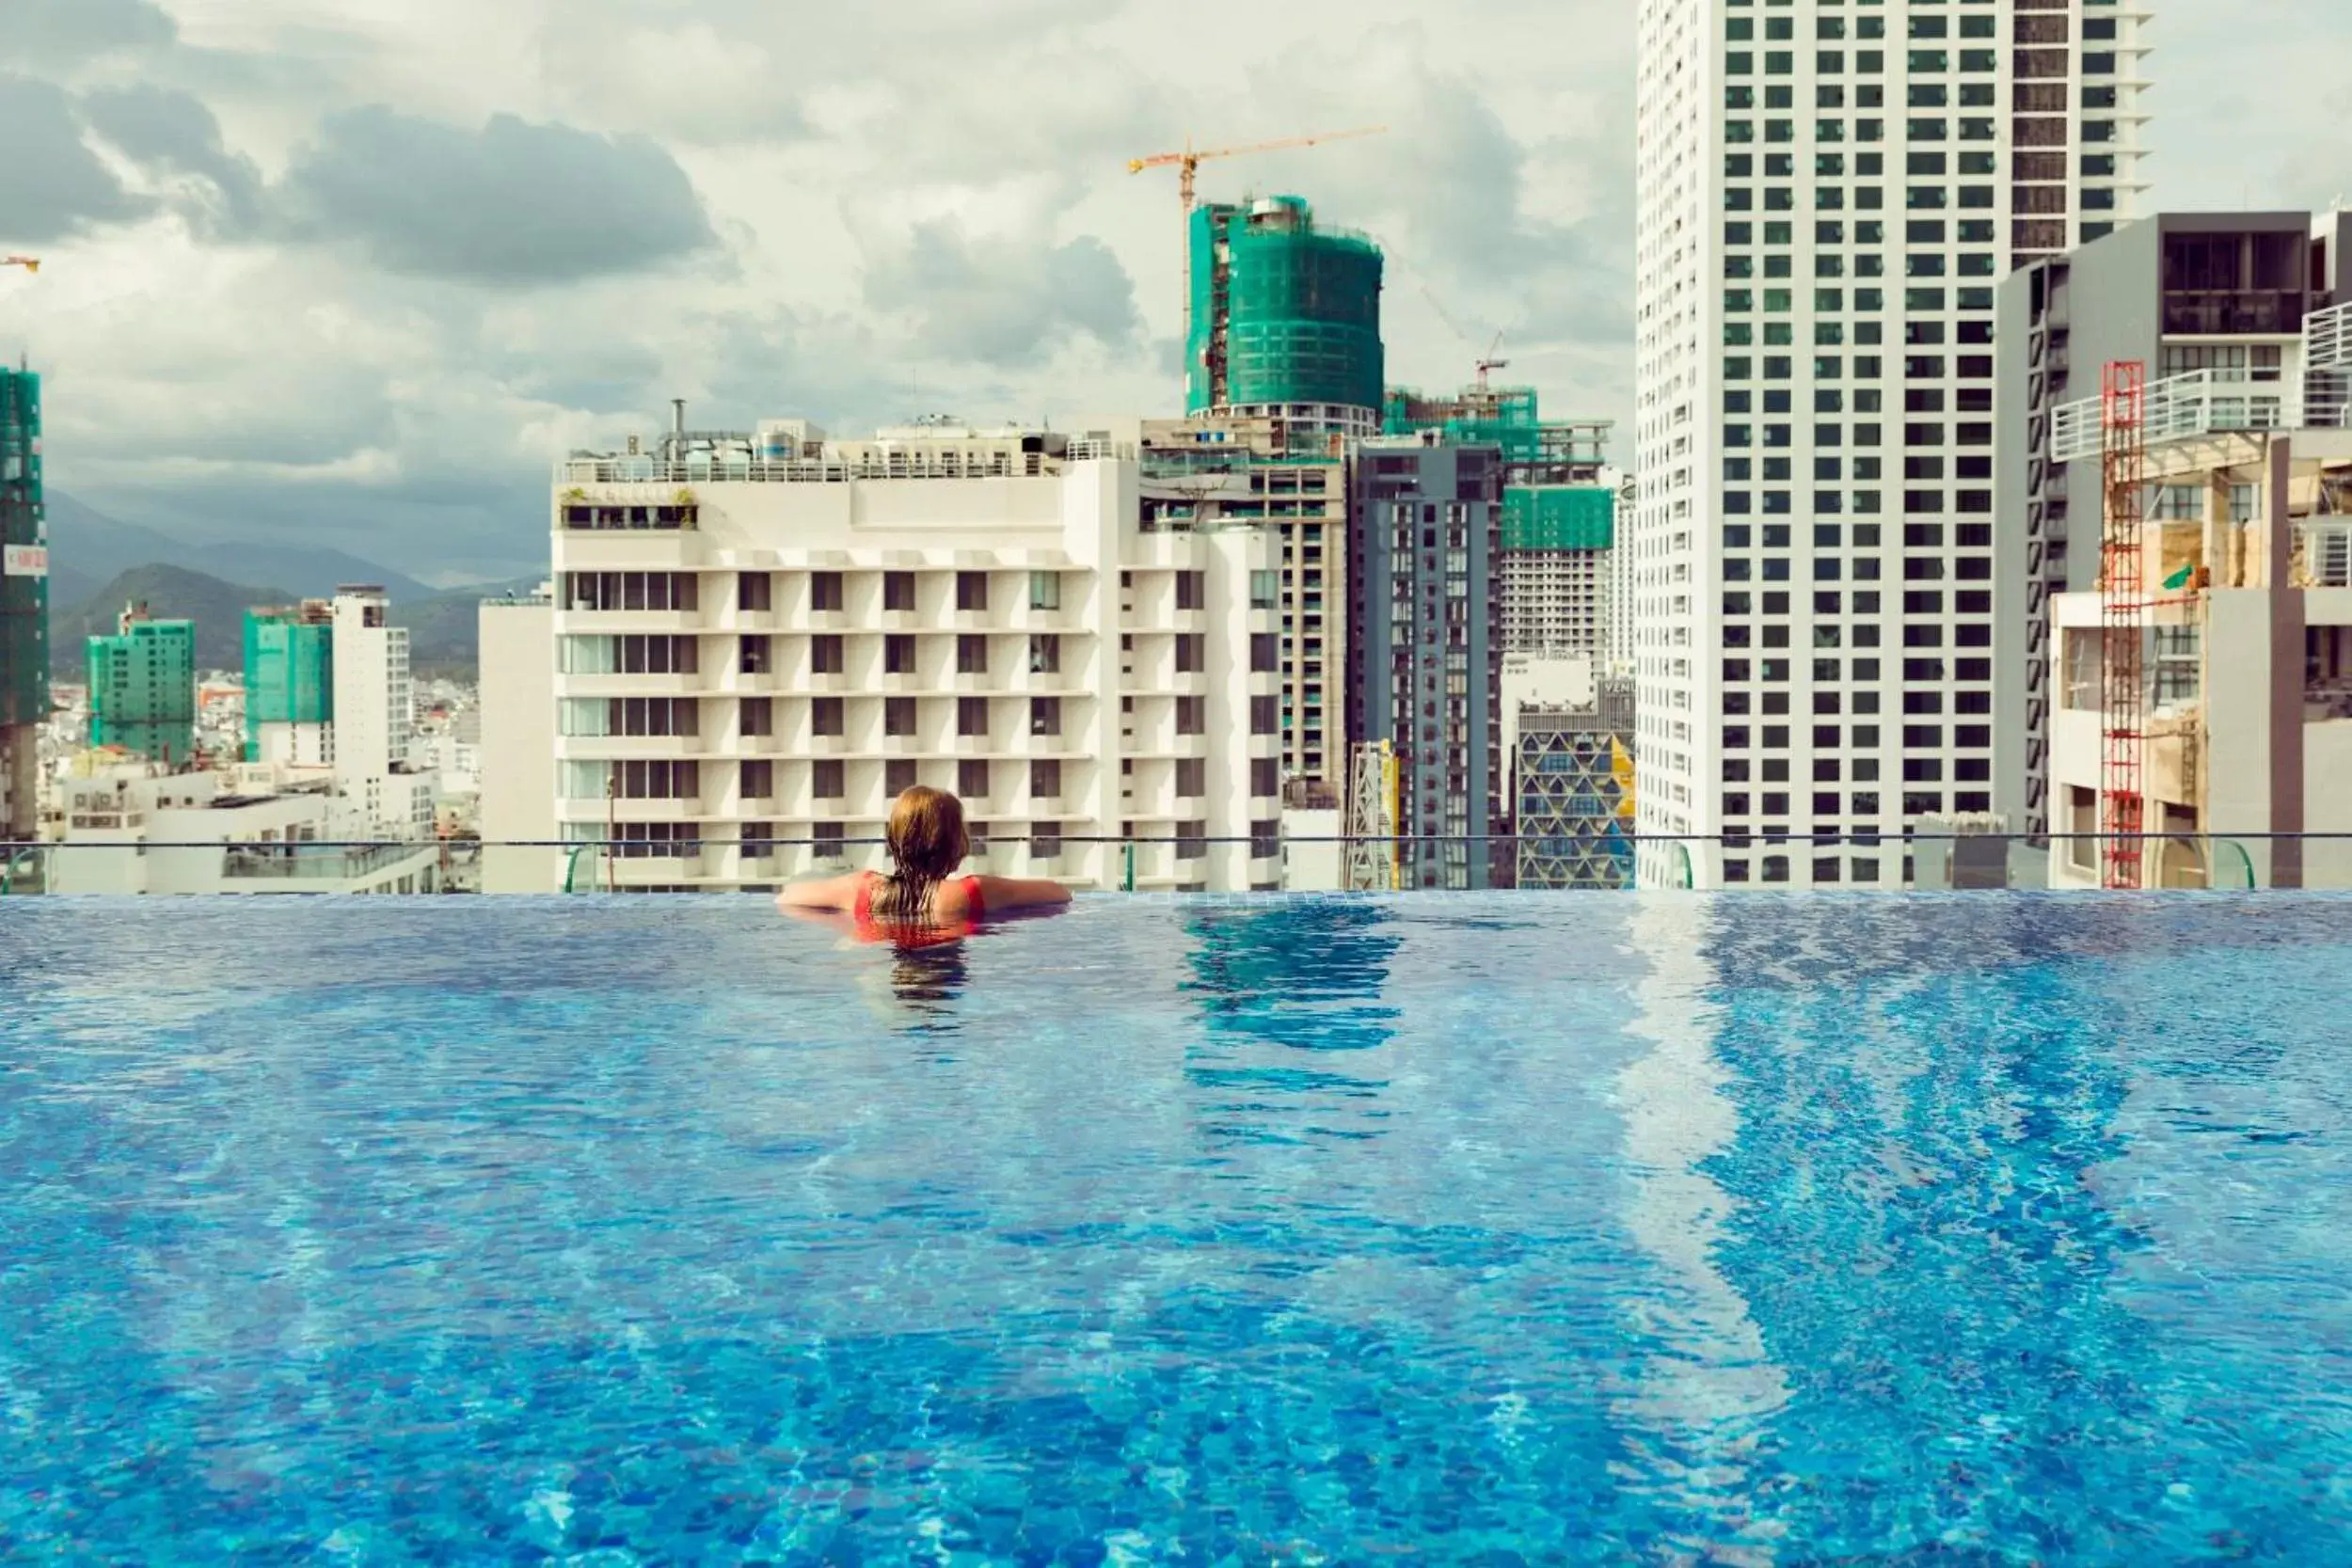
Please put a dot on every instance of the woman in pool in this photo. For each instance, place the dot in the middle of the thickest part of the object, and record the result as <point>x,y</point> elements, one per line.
<point>927,844</point>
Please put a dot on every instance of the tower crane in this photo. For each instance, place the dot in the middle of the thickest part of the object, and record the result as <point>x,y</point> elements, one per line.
<point>1187,164</point>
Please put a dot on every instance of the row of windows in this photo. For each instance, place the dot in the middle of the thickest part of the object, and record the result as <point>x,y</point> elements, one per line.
<point>1833,334</point>
<point>1925,62</point>
<point>1916,367</point>
<point>2028,97</point>
<point>1742,705</point>
<point>1780,504</point>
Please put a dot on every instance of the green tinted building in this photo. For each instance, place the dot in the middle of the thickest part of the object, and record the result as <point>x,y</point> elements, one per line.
<point>142,687</point>
<point>1285,315</point>
<point>23,605</point>
<point>289,675</point>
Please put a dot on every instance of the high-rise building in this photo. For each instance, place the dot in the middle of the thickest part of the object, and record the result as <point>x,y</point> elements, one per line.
<point>142,687</point>
<point>1285,317</point>
<point>290,684</point>
<point>1559,511</point>
<point>760,639</point>
<point>1829,196</point>
<point>23,605</point>
<point>2213,307</point>
<point>375,716</point>
<point>1426,663</point>
<point>1222,470</point>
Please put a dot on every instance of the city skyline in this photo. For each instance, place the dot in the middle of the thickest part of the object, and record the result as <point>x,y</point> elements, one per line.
<point>251,332</point>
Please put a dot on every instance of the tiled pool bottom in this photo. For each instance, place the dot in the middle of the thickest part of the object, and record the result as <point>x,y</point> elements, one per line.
<point>1759,1231</point>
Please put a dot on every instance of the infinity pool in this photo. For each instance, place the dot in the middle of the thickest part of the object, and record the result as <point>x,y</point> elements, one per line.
<point>1447,1229</point>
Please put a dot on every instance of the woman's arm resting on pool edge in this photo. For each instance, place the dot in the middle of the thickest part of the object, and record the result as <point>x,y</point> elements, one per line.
<point>1021,892</point>
<point>824,892</point>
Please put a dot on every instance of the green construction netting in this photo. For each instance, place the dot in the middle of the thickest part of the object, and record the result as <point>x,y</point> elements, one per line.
<point>24,596</point>
<point>289,675</point>
<point>1300,308</point>
<point>1559,518</point>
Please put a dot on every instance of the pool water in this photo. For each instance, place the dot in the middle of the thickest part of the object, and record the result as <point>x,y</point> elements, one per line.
<point>1446,1230</point>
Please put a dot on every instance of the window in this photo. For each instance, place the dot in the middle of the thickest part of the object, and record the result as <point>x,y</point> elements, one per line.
<point>828,779</point>
<point>1192,715</point>
<point>1264,716</point>
<point>826,655</point>
<point>972,716</point>
<point>1045,779</point>
<point>1266,777</point>
<point>824,590</point>
<point>897,716</point>
<point>899,776</point>
<point>1266,653</point>
<point>898,655</point>
<point>760,781</point>
<point>759,716</point>
<point>971,591</point>
<point>898,590</point>
<point>2082,825</point>
<point>1045,653</point>
<point>825,716</point>
<point>1044,589</point>
<point>1045,716</point>
<point>972,779</point>
<point>1192,653</point>
<point>755,591</point>
<point>971,655</point>
<point>1192,778</point>
<point>1192,589</point>
<point>754,657</point>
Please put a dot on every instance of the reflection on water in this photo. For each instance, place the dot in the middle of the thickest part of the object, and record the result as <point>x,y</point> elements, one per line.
<point>1483,1229</point>
<point>1699,1405</point>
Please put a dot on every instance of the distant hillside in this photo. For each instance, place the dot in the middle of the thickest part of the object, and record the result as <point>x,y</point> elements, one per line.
<point>171,593</point>
<point>445,631</point>
<point>86,546</point>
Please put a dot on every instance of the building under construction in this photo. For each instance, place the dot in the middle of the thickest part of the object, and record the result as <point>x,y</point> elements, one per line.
<point>1574,789</point>
<point>1284,318</point>
<point>23,605</point>
<point>142,687</point>
<point>290,684</point>
<point>2203,717</point>
<point>1559,511</point>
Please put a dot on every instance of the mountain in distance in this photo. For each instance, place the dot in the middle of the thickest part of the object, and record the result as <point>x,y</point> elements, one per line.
<point>445,631</point>
<point>86,547</point>
<point>171,593</point>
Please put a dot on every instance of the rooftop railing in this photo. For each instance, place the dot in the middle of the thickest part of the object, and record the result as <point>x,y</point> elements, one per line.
<point>1581,856</point>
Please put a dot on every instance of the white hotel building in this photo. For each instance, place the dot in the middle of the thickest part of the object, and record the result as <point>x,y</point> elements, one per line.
<point>755,640</point>
<point>1829,192</point>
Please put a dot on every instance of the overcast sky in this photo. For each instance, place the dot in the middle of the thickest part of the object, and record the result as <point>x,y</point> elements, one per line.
<point>358,270</point>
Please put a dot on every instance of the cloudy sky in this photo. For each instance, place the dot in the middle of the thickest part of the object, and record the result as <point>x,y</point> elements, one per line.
<point>358,270</point>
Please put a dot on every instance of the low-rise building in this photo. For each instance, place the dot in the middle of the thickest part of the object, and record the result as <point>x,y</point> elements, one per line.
<point>138,827</point>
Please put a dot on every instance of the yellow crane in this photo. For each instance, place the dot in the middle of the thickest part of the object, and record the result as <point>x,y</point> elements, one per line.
<point>30,264</point>
<point>1189,162</point>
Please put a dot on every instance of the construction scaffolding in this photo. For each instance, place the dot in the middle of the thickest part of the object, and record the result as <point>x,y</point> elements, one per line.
<point>1282,312</point>
<point>23,603</point>
<point>1373,866</point>
<point>2124,624</point>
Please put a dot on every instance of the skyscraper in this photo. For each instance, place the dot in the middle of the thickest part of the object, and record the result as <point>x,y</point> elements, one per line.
<point>1829,194</point>
<point>23,605</point>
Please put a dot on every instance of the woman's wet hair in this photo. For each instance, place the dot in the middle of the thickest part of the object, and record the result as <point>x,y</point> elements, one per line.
<point>927,843</point>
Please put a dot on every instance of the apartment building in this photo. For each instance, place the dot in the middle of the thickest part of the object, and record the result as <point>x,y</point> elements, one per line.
<point>1216,471</point>
<point>2212,306</point>
<point>1829,196</point>
<point>758,640</point>
<point>1425,667</point>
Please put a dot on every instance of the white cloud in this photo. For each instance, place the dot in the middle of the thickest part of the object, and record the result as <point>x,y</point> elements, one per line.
<point>358,269</point>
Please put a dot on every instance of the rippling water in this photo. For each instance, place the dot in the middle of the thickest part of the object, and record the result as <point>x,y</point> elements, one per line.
<point>1492,1230</point>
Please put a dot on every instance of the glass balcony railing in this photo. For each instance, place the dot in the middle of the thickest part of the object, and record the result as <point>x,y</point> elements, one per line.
<point>1173,859</point>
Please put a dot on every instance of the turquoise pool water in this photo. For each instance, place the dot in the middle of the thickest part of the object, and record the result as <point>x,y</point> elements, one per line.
<point>1449,1230</point>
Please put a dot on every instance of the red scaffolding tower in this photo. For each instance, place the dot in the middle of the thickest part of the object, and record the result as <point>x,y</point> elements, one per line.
<point>2123,621</point>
